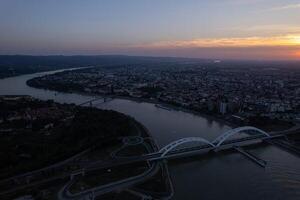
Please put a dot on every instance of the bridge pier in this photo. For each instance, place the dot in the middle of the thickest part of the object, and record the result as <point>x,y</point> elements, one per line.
<point>77,173</point>
<point>285,146</point>
<point>251,157</point>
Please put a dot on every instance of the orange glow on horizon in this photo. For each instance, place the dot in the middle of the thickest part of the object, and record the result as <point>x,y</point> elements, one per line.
<point>297,54</point>
<point>271,47</point>
<point>275,41</point>
<point>296,39</point>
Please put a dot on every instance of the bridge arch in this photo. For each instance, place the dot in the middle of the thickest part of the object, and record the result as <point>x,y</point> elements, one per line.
<point>219,140</point>
<point>166,149</point>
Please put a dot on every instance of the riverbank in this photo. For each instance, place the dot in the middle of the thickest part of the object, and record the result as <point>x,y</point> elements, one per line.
<point>217,118</point>
<point>95,82</point>
<point>34,84</point>
<point>177,108</point>
<point>44,70</point>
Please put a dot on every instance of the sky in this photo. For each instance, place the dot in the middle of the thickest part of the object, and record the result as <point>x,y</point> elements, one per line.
<point>216,29</point>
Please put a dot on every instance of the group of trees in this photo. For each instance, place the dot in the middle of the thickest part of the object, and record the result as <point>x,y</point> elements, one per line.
<point>34,148</point>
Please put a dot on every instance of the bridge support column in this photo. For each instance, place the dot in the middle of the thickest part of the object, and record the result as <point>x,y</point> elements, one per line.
<point>77,173</point>
<point>251,157</point>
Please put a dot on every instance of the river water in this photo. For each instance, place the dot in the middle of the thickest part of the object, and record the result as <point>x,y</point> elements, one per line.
<point>222,176</point>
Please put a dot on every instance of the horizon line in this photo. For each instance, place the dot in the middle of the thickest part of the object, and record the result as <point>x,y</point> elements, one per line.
<point>152,56</point>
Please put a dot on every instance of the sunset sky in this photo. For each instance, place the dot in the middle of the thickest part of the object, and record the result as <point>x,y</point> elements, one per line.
<point>218,29</point>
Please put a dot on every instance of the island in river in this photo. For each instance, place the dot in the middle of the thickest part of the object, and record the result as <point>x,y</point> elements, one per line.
<point>42,142</point>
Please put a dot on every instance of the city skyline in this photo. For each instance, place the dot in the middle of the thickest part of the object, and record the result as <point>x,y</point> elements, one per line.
<point>231,29</point>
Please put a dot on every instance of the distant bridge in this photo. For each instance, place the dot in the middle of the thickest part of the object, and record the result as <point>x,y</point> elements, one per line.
<point>90,102</point>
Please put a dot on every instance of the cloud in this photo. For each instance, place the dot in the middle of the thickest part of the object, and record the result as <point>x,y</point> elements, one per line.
<point>285,7</point>
<point>275,41</point>
<point>276,29</point>
<point>274,47</point>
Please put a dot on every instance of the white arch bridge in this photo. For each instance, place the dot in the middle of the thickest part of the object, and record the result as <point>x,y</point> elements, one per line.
<point>218,142</point>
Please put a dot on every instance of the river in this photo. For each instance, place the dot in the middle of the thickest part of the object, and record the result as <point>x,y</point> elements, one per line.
<point>223,176</point>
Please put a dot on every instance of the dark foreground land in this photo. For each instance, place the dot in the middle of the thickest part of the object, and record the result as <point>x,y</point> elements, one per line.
<point>42,143</point>
<point>36,133</point>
